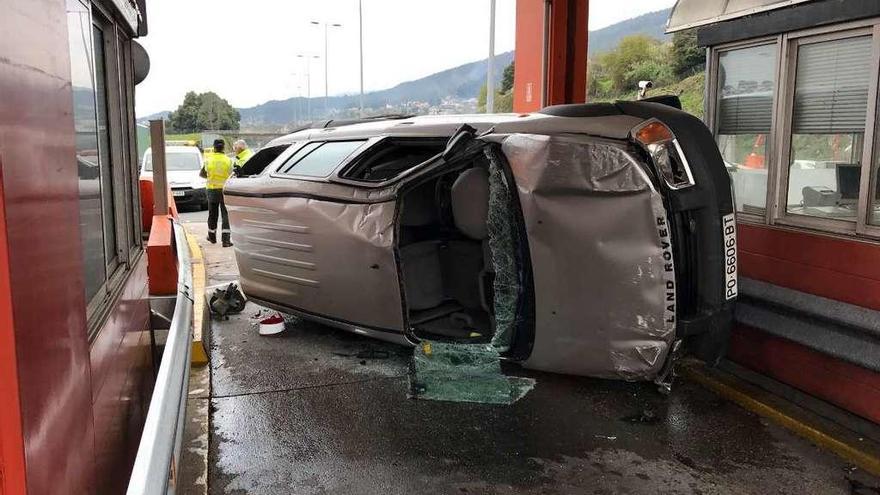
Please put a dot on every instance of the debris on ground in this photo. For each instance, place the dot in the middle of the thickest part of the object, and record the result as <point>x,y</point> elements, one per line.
<point>368,353</point>
<point>227,301</point>
<point>647,416</point>
<point>272,325</point>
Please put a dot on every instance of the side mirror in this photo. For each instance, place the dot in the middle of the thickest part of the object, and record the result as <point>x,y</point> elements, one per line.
<point>140,59</point>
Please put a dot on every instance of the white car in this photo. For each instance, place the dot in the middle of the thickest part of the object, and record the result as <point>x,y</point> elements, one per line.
<point>182,164</point>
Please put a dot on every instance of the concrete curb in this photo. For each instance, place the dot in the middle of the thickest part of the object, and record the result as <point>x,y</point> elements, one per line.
<point>201,319</point>
<point>790,418</point>
<point>193,478</point>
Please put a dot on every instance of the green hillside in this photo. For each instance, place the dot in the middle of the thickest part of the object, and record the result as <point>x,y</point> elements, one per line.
<point>690,90</point>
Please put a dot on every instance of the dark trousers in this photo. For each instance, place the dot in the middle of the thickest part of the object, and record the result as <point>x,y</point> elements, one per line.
<point>215,202</point>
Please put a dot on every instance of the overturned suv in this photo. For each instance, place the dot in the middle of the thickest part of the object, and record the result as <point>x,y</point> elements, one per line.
<point>591,239</point>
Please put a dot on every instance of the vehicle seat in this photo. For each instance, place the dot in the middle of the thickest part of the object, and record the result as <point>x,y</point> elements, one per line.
<point>464,260</point>
<point>422,276</point>
<point>470,203</point>
<point>420,261</point>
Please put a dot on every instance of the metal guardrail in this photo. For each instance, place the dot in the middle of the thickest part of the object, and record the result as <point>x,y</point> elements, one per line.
<point>156,466</point>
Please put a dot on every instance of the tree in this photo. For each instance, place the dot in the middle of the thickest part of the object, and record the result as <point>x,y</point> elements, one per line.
<point>687,57</point>
<point>481,99</point>
<point>204,111</point>
<point>503,96</point>
<point>507,78</point>
<point>637,57</point>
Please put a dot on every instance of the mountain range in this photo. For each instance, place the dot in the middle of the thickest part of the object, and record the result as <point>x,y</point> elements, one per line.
<point>455,84</point>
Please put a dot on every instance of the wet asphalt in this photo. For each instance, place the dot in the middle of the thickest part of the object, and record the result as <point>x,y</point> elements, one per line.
<point>316,410</point>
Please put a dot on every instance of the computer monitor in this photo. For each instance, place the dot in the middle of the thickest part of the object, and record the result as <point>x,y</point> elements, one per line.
<point>848,177</point>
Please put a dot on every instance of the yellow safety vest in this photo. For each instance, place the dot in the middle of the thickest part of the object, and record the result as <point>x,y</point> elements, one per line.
<point>243,156</point>
<point>218,167</point>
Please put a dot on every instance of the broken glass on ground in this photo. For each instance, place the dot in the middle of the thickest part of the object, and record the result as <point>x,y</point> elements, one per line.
<point>463,373</point>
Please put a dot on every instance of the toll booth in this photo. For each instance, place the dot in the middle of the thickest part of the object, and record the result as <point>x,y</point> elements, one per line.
<point>76,372</point>
<point>792,97</point>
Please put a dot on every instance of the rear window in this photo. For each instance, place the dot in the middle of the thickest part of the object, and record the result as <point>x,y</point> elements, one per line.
<point>261,159</point>
<point>318,159</point>
<point>175,161</point>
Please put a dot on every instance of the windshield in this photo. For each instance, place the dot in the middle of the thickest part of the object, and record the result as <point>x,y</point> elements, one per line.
<point>175,161</point>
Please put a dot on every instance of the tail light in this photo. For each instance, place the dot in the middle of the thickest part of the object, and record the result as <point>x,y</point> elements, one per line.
<point>663,148</point>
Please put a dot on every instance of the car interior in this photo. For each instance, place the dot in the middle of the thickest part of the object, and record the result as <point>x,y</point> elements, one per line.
<point>391,157</point>
<point>446,263</point>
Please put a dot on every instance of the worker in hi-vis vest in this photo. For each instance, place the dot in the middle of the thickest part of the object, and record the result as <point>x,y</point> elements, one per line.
<point>218,168</point>
<point>242,154</point>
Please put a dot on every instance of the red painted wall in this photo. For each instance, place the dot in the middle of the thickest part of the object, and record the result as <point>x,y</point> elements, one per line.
<point>840,269</point>
<point>122,381</point>
<point>849,386</point>
<point>80,406</point>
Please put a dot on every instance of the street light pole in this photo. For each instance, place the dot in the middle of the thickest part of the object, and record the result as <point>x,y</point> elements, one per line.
<point>295,97</point>
<point>308,59</point>
<point>361,46</point>
<point>327,25</point>
<point>490,79</point>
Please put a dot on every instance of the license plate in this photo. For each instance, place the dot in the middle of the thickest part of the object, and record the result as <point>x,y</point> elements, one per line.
<point>728,226</point>
<point>178,194</point>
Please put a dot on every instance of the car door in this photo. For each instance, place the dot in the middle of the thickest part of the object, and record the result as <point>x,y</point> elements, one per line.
<point>302,240</point>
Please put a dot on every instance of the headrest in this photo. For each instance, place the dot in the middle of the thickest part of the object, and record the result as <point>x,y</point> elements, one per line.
<point>470,202</point>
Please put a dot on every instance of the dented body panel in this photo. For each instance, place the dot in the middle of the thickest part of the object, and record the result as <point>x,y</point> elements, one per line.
<point>311,251</point>
<point>602,267</point>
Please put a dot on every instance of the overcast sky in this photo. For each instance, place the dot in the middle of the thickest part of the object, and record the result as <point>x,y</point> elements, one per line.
<point>247,51</point>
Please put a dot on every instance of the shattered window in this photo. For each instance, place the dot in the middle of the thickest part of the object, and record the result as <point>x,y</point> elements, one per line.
<point>320,159</point>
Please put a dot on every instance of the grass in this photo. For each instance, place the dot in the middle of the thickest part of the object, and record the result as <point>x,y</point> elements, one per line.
<point>193,136</point>
<point>689,90</point>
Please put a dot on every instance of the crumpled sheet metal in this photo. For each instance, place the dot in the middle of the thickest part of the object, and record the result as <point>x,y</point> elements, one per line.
<point>304,253</point>
<point>502,242</point>
<point>601,257</point>
<point>463,373</point>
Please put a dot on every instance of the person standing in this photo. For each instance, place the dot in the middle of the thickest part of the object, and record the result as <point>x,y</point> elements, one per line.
<point>218,168</point>
<point>242,154</point>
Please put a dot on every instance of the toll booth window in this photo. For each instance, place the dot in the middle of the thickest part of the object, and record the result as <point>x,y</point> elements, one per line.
<point>828,127</point>
<point>745,93</point>
<point>89,155</point>
<point>319,159</point>
<point>874,189</point>
<point>109,217</point>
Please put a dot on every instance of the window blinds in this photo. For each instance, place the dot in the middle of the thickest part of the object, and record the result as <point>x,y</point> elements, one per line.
<point>831,86</point>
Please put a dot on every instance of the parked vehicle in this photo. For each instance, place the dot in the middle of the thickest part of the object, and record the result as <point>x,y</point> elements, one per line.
<point>182,164</point>
<point>594,239</point>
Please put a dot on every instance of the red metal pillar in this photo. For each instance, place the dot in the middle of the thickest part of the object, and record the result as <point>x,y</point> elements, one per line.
<point>551,53</point>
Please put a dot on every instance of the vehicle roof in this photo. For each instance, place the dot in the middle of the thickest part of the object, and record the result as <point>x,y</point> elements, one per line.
<point>615,126</point>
